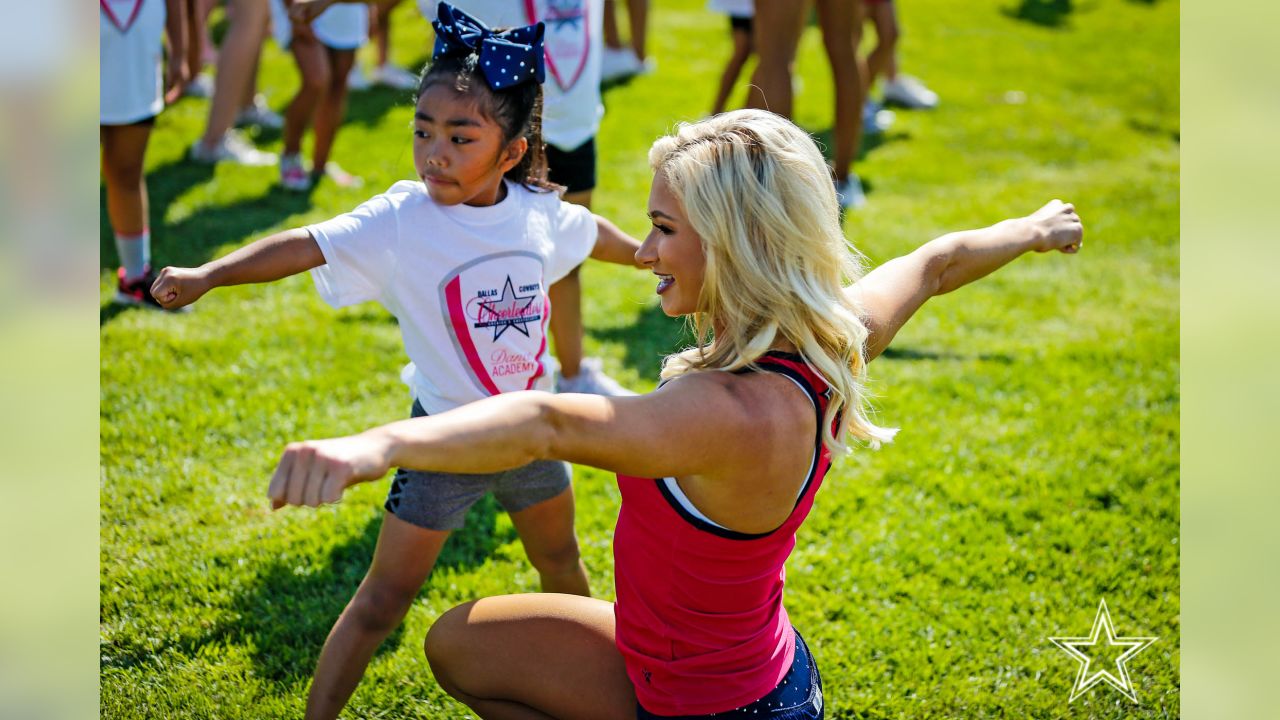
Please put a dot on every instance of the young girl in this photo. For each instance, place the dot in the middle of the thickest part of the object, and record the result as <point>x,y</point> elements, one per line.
<point>325,50</point>
<point>133,93</point>
<point>717,468</point>
<point>462,259</point>
<point>740,13</point>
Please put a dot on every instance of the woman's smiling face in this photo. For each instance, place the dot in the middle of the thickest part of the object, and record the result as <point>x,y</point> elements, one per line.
<point>673,251</point>
<point>458,152</point>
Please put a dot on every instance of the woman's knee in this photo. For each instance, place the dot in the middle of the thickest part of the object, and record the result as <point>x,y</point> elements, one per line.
<point>446,644</point>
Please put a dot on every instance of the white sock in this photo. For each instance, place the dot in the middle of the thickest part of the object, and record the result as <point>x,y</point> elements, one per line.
<point>135,253</point>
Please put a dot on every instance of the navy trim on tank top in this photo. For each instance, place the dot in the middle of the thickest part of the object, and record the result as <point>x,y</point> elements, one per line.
<point>809,390</point>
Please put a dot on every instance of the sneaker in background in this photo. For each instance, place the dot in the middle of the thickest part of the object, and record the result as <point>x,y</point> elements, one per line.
<point>618,63</point>
<point>259,114</point>
<point>137,292</point>
<point>394,77</point>
<point>340,177</point>
<point>233,148</point>
<point>849,193</point>
<point>909,92</point>
<point>293,176</point>
<point>356,79</point>
<point>201,86</point>
<point>592,380</point>
<point>875,119</point>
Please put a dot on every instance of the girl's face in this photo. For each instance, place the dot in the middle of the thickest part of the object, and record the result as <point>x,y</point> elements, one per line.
<point>673,251</point>
<point>459,153</point>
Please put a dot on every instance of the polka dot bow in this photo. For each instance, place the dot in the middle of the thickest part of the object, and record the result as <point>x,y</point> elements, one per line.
<point>507,59</point>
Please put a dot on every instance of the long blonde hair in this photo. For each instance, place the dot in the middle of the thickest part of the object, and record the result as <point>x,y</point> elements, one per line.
<point>755,188</point>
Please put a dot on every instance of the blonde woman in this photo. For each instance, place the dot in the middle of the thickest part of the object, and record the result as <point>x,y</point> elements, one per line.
<point>718,467</point>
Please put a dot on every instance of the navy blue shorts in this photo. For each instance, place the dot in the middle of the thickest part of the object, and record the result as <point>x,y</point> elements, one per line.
<point>797,697</point>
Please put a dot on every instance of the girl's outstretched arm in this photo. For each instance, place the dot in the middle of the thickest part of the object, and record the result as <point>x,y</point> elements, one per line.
<point>271,258</point>
<point>703,424</point>
<point>890,294</point>
<point>613,245</point>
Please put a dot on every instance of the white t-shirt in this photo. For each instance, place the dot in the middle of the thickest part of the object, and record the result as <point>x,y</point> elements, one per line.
<point>573,44</point>
<point>468,284</point>
<point>342,26</point>
<point>733,8</point>
<point>129,60</point>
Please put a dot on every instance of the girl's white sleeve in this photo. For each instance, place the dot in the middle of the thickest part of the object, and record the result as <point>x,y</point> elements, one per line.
<point>359,252</point>
<point>574,240</point>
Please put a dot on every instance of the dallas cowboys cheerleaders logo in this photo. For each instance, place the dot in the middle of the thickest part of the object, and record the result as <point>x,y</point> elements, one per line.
<point>496,311</point>
<point>509,310</point>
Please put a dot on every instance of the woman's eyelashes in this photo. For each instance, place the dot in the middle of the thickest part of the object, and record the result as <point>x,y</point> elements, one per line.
<point>662,229</point>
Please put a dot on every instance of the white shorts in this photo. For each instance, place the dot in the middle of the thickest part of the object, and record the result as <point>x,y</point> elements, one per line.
<point>344,26</point>
<point>130,63</point>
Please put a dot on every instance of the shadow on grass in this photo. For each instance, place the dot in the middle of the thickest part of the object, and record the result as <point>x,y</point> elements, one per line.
<point>901,353</point>
<point>1045,13</point>
<point>284,618</point>
<point>648,340</point>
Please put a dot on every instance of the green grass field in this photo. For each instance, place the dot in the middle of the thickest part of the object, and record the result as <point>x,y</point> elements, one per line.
<point>1036,471</point>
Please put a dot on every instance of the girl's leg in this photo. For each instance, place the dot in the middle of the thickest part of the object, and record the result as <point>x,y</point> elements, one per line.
<point>566,305</point>
<point>775,34</point>
<point>124,147</point>
<point>532,656</point>
<point>883,61</point>
<point>316,76</point>
<point>123,150</point>
<point>401,563</point>
<point>546,529</point>
<point>741,51</point>
<point>609,22</point>
<point>236,61</point>
<point>381,29</point>
<point>837,20</point>
<point>333,104</point>
<point>638,21</point>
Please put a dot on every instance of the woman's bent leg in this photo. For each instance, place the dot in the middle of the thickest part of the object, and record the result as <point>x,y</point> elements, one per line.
<point>532,656</point>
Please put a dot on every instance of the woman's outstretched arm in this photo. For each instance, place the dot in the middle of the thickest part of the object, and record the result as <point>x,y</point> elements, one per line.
<point>890,294</point>
<point>701,424</point>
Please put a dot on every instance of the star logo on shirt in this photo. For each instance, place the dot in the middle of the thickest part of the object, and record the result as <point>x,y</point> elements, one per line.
<point>1095,668</point>
<point>509,311</point>
<point>564,13</point>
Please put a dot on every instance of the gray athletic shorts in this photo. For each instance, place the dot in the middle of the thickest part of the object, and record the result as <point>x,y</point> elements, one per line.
<point>440,501</point>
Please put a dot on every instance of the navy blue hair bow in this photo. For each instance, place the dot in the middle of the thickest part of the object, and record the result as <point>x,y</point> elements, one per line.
<point>507,59</point>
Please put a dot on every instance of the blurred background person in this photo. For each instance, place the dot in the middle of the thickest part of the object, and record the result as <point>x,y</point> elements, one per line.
<point>620,60</point>
<point>325,51</point>
<point>133,91</point>
<point>740,13</point>
<point>233,84</point>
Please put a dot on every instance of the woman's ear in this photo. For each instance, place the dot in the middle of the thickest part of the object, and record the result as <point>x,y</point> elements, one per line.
<point>514,153</point>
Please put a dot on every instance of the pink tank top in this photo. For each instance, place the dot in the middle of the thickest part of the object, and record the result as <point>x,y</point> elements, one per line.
<point>699,614</point>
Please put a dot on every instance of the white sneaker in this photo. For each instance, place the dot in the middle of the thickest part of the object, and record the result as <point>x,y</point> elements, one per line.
<point>293,175</point>
<point>910,92</point>
<point>232,147</point>
<point>591,380</point>
<point>618,63</point>
<point>201,86</point>
<point>875,119</point>
<point>258,113</point>
<point>849,193</point>
<point>356,79</point>
<point>395,77</point>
